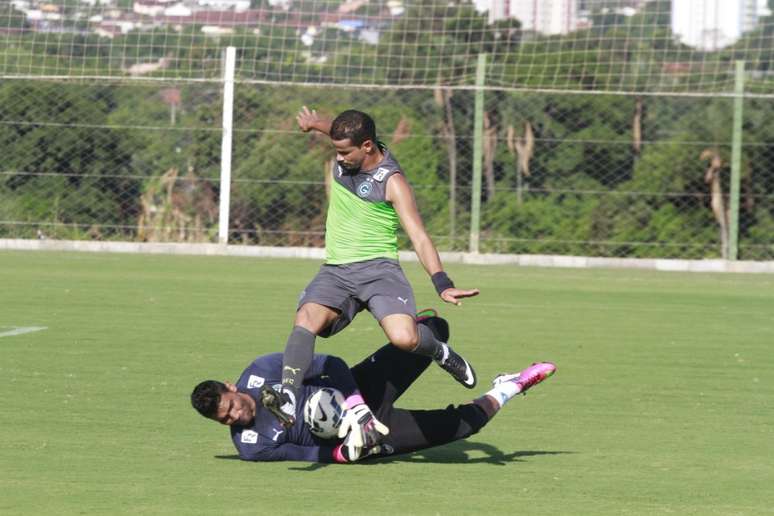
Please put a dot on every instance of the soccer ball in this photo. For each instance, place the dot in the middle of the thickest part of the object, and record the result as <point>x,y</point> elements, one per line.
<point>323,412</point>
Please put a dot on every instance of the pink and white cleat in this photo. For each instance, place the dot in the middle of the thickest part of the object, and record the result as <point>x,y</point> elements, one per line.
<point>527,378</point>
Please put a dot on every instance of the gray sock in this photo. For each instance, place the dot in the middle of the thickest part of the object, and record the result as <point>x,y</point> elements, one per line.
<point>297,358</point>
<point>428,345</point>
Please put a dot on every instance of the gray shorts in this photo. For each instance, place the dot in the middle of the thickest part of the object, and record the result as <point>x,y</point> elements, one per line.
<point>378,285</point>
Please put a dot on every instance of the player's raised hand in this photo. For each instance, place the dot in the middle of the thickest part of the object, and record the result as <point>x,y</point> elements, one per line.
<point>453,295</point>
<point>307,119</point>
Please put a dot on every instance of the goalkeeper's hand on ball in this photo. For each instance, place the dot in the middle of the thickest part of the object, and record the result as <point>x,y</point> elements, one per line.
<point>360,430</point>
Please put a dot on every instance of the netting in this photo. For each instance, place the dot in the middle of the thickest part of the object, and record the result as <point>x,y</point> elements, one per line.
<point>608,124</point>
<point>649,47</point>
<point>594,175</point>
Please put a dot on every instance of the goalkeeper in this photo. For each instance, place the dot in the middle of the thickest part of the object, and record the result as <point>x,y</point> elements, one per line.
<point>370,388</point>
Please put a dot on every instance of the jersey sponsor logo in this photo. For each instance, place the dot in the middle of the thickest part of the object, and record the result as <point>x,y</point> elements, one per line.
<point>363,189</point>
<point>380,173</point>
<point>255,382</point>
<point>249,437</point>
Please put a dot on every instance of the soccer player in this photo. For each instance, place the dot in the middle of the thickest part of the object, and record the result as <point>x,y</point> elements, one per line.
<point>379,381</point>
<point>369,197</point>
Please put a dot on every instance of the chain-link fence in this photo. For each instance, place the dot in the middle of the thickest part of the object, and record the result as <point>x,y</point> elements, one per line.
<point>595,175</point>
<point>618,128</point>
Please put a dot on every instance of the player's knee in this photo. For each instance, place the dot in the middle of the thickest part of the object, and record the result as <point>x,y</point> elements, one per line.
<point>405,339</point>
<point>313,319</point>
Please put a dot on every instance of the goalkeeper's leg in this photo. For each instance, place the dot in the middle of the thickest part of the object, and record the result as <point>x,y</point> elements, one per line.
<point>386,374</point>
<point>414,430</point>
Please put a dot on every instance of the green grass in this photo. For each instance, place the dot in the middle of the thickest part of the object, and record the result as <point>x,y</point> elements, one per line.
<point>662,402</point>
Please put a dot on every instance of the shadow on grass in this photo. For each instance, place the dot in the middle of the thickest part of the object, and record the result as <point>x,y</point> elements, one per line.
<point>459,453</point>
<point>455,453</point>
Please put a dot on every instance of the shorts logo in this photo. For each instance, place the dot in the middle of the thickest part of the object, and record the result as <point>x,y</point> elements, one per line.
<point>404,301</point>
<point>277,433</point>
<point>255,382</point>
<point>249,437</point>
<point>364,189</point>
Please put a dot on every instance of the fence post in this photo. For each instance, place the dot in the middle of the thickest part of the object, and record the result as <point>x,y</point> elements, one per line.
<point>478,146</point>
<point>736,163</point>
<point>225,149</point>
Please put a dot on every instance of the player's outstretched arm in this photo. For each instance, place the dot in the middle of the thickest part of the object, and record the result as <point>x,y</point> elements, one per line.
<point>309,120</point>
<point>401,196</point>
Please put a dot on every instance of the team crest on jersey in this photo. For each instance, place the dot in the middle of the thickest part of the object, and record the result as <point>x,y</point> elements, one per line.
<point>363,189</point>
<point>255,382</point>
<point>249,437</point>
<point>380,173</point>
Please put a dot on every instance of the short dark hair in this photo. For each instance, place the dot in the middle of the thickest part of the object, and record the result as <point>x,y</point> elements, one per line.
<point>355,125</point>
<point>205,397</point>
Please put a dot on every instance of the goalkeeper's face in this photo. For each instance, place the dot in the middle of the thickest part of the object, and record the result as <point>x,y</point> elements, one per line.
<point>235,408</point>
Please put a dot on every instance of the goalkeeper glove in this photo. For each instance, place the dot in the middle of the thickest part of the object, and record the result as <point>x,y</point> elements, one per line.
<point>360,429</point>
<point>341,452</point>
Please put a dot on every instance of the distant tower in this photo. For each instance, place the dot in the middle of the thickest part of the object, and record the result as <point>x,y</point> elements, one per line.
<point>713,24</point>
<point>543,16</point>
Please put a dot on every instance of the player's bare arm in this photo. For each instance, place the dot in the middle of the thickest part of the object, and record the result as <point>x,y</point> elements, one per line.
<point>400,194</point>
<point>309,120</point>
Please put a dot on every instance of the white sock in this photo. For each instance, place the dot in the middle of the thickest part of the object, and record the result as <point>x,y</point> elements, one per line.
<point>504,392</point>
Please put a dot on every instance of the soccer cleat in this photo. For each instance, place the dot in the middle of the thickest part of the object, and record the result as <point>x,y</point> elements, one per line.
<point>273,401</point>
<point>458,367</point>
<point>527,378</point>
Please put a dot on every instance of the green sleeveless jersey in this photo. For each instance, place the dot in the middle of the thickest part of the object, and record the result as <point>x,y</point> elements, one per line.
<point>361,224</point>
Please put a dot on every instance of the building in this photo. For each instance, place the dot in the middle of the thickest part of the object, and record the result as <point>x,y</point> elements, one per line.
<point>543,16</point>
<point>714,24</point>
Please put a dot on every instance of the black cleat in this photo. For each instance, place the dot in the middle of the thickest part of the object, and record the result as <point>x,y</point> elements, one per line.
<point>458,367</point>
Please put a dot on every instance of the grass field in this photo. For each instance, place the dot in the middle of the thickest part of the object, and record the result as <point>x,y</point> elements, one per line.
<point>662,402</point>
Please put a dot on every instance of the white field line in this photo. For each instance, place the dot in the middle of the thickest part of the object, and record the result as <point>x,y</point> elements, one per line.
<point>21,330</point>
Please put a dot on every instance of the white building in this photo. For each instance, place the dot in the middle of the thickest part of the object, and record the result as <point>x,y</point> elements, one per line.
<point>225,5</point>
<point>543,16</point>
<point>714,24</point>
<point>178,10</point>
